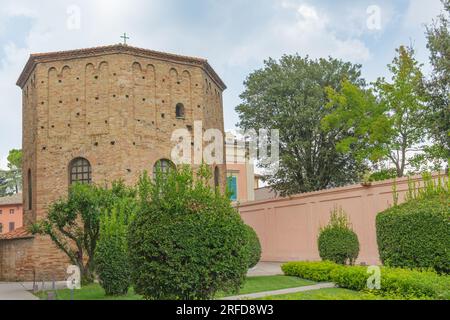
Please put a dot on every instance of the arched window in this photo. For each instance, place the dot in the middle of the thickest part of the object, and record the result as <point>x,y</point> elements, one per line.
<point>216,177</point>
<point>163,165</point>
<point>30,190</point>
<point>179,110</point>
<point>80,171</point>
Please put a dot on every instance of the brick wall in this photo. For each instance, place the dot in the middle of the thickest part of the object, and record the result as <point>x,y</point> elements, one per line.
<point>117,110</point>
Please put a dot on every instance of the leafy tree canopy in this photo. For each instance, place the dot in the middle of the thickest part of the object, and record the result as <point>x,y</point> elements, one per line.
<point>438,34</point>
<point>289,95</point>
<point>73,223</point>
<point>386,123</point>
<point>11,179</point>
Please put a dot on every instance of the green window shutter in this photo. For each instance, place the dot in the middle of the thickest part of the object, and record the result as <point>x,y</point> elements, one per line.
<point>232,187</point>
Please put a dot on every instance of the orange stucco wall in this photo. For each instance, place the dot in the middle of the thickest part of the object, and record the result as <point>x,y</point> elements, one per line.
<point>6,217</point>
<point>288,227</point>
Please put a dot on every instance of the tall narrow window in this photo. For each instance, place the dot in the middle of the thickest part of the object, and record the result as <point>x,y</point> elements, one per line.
<point>216,177</point>
<point>163,165</point>
<point>12,226</point>
<point>80,171</point>
<point>1,228</point>
<point>179,111</point>
<point>30,191</point>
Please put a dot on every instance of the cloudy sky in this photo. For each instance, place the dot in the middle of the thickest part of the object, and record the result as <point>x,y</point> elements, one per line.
<point>236,36</point>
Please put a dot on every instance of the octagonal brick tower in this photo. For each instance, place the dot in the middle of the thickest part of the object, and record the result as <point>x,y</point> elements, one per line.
<point>116,108</point>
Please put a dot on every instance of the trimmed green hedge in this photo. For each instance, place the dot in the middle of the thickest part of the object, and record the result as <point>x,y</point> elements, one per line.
<point>315,271</point>
<point>416,234</point>
<point>395,282</point>
<point>409,284</point>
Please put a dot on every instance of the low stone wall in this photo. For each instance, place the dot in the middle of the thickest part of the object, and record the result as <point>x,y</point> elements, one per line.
<point>288,227</point>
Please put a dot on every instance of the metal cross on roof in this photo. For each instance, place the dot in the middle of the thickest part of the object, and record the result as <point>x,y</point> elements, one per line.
<point>125,38</point>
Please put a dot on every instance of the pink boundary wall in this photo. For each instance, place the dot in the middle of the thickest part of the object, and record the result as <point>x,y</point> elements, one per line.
<point>288,227</point>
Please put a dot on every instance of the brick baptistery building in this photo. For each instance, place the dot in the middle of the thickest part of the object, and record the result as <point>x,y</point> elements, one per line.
<point>94,116</point>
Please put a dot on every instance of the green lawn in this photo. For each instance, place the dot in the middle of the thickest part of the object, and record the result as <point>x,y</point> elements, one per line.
<point>252,285</point>
<point>269,283</point>
<point>90,292</point>
<point>325,294</point>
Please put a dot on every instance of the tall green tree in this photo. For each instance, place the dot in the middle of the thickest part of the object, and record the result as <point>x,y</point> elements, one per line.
<point>11,179</point>
<point>387,123</point>
<point>111,255</point>
<point>73,223</point>
<point>438,34</point>
<point>289,95</point>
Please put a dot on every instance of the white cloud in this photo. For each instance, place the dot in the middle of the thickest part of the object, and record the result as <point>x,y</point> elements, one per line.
<point>307,32</point>
<point>235,36</point>
<point>11,106</point>
<point>421,12</point>
<point>3,163</point>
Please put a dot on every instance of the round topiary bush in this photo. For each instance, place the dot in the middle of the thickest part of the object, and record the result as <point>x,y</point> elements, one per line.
<point>253,247</point>
<point>416,234</point>
<point>186,242</point>
<point>337,241</point>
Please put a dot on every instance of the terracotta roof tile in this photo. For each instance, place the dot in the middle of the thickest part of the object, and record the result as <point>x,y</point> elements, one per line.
<point>14,199</point>
<point>20,233</point>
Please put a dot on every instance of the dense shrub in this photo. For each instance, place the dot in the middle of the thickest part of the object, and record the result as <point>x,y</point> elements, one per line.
<point>253,247</point>
<point>186,241</point>
<point>396,283</point>
<point>353,278</point>
<point>405,283</point>
<point>337,241</point>
<point>316,271</point>
<point>111,255</point>
<point>416,234</point>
